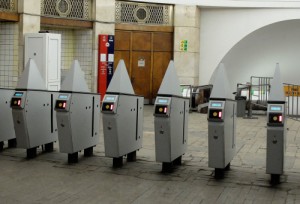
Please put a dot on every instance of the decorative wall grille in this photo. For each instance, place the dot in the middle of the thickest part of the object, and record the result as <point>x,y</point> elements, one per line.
<point>141,13</point>
<point>8,5</point>
<point>78,9</point>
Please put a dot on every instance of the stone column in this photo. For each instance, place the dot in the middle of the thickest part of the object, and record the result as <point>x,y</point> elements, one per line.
<point>104,23</point>
<point>30,11</point>
<point>187,27</point>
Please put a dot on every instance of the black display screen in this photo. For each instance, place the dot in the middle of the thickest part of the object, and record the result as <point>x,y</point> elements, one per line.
<point>110,98</point>
<point>216,104</point>
<point>62,96</point>
<point>276,108</point>
<point>18,94</point>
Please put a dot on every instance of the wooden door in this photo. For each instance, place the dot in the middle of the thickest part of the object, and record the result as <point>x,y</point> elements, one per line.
<point>160,65</point>
<point>162,54</point>
<point>146,56</point>
<point>140,73</point>
<point>124,55</point>
<point>122,48</point>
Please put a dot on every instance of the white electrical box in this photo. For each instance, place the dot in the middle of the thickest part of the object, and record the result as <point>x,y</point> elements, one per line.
<point>45,49</point>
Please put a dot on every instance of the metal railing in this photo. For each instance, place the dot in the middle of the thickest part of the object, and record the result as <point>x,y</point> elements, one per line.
<point>292,94</point>
<point>198,96</point>
<point>259,100</point>
<point>257,93</point>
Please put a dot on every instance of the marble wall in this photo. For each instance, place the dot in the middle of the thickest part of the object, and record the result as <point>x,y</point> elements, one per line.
<point>187,27</point>
<point>83,44</point>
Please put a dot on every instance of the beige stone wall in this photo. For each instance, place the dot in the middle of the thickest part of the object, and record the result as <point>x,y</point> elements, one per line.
<point>187,27</point>
<point>104,23</point>
<point>29,11</point>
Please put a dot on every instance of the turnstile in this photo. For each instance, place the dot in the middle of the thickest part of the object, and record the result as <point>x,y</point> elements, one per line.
<point>123,115</point>
<point>78,121</point>
<point>78,115</point>
<point>221,124</point>
<point>276,132</point>
<point>33,112</point>
<point>7,131</point>
<point>122,126</point>
<point>171,125</point>
<point>275,140</point>
<point>221,134</point>
<point>34,120</point>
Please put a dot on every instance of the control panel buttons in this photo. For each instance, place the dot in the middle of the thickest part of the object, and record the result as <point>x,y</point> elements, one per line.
<point>108,107</point>
<point>276,118</point>
<point>61,105</point>
<point>16,103</point>
<point>161,110</point>
<point>215,114</point>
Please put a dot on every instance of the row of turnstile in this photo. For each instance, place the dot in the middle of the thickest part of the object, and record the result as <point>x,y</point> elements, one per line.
<point>72,116</point>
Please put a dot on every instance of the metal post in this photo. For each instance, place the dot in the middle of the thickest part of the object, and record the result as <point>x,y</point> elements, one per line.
<point>297,98</point>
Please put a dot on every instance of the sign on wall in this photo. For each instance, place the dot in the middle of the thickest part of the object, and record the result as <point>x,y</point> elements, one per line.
<point>183,45</point>
<point>105,62</point>
<point>292,90</point>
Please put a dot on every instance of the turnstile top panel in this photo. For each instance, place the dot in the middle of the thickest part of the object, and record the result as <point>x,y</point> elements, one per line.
<point>31,78</point>
<point>277,91</point>
<point>75,81</point>
<point>120,83</point>
<point>170,84</point>
<point>220,84</point>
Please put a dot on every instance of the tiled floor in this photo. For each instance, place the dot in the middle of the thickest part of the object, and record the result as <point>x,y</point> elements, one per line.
<point>49,179</point>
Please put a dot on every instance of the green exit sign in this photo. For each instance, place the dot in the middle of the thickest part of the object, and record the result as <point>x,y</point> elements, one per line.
<point>183,45</point>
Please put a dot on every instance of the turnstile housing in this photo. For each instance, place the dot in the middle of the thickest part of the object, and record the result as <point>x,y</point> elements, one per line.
<point>171,127</point>
<point>7,131</point>
<point>275,139</point>
<point>221,132</point>
<point>122,124</point>
<point>78,121</point>
<point>34,117</point>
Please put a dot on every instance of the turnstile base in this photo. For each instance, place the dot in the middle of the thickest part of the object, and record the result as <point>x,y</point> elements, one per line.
<point>219,173</point>
<point>167,167</point>
<point>49,147</point>
<point>131,157</point>
<point>117,162</point>
<point>88,152</point>
<point>1,146</point>
<point>275,179</point>
<point>31,153</point>
<point>12,143</point>
<point>177,161</point>
<point>227,168</point>
<point>73,158</point>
